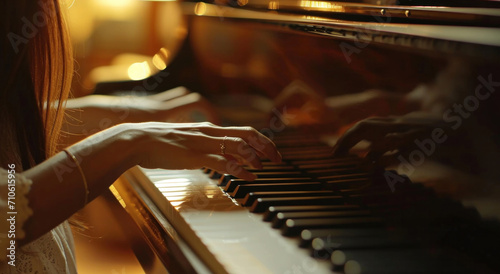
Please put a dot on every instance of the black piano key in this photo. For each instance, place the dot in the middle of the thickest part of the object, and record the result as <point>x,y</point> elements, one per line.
<point>252,196</point>
<point>281,217</point>
<point>268,164</point>
<point>279,174</point>
<point>373,197</point>
<point>224,179</point>
<point>334,178</point>
<point>265,175</point>
<point>294,139</point>
<point>306,157</point>
<point>233,183</point>
<point>330,164</point>
<point>363,189</point>
<point>327,160</point>
<point>261,204</point>
<point>273,210</point>
<point>324,246</point>
<point>334,171</point>
<point>319,148</point>
<point>242,190</point>
<point>270,168</point>
<point>214,174</point>
<point>404,196</point>
<point>305,150</point>
<point>356,183</point>
<point>307,235</point>
<point>293,227</point>
<point>395,261</point>
<point>326,166</point>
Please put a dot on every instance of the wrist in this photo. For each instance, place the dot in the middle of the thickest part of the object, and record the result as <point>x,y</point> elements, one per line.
<point>104,157</point>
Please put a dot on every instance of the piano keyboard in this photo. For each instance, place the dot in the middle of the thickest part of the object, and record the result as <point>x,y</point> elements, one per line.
<point>315,214</point>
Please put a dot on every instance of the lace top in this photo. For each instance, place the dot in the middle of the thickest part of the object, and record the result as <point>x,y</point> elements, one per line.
<point>51,253</point>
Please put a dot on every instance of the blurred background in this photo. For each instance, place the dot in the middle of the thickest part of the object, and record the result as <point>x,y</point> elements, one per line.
<point>116,40</point>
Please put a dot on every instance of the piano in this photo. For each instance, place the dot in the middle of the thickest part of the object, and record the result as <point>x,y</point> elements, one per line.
<point>315,213</point>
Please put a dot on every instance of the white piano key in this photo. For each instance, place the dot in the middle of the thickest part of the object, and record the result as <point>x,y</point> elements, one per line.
<point>211,222</point>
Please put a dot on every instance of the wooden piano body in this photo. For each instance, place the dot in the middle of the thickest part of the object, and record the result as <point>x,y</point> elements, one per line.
<point>243,54</point>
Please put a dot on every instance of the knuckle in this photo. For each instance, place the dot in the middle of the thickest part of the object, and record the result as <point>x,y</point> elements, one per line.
<point>207,125</point>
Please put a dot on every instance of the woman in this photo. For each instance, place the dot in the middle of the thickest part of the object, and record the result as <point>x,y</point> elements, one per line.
<point>40,187</point>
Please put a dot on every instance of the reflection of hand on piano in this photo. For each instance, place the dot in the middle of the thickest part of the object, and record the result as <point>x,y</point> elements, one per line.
<point>391,136</point>
<point>300,105</point>
<point>350,108</point>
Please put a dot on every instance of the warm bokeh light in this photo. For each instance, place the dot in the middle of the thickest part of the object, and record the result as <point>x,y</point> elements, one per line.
<point>102,30</point>
<point>322,5</point>
<point>101,19</point>
<point>114,3</point>
<point>81,27</point>
<point>118,10</point>
<point>160,59</point>
<point>139,71</point>
<point>273,5</point>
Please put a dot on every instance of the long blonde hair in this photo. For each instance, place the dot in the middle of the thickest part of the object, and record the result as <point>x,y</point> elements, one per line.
<point>37,71</point>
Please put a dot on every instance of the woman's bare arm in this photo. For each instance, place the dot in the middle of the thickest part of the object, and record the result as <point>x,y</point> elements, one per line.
<point>58,191</point>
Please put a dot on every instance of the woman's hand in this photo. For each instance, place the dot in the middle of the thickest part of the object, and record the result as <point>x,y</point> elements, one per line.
<point>90,114</point>
<point>188,108</point>
<point>104,156</point>
<point>196,145</point>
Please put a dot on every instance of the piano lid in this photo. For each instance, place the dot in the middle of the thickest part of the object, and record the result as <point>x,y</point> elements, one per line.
<point>374,11</point>
<point>370,12</point>
<point>462,39</point>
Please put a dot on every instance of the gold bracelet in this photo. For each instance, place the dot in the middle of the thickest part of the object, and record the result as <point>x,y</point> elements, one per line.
<point>73,158</point>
